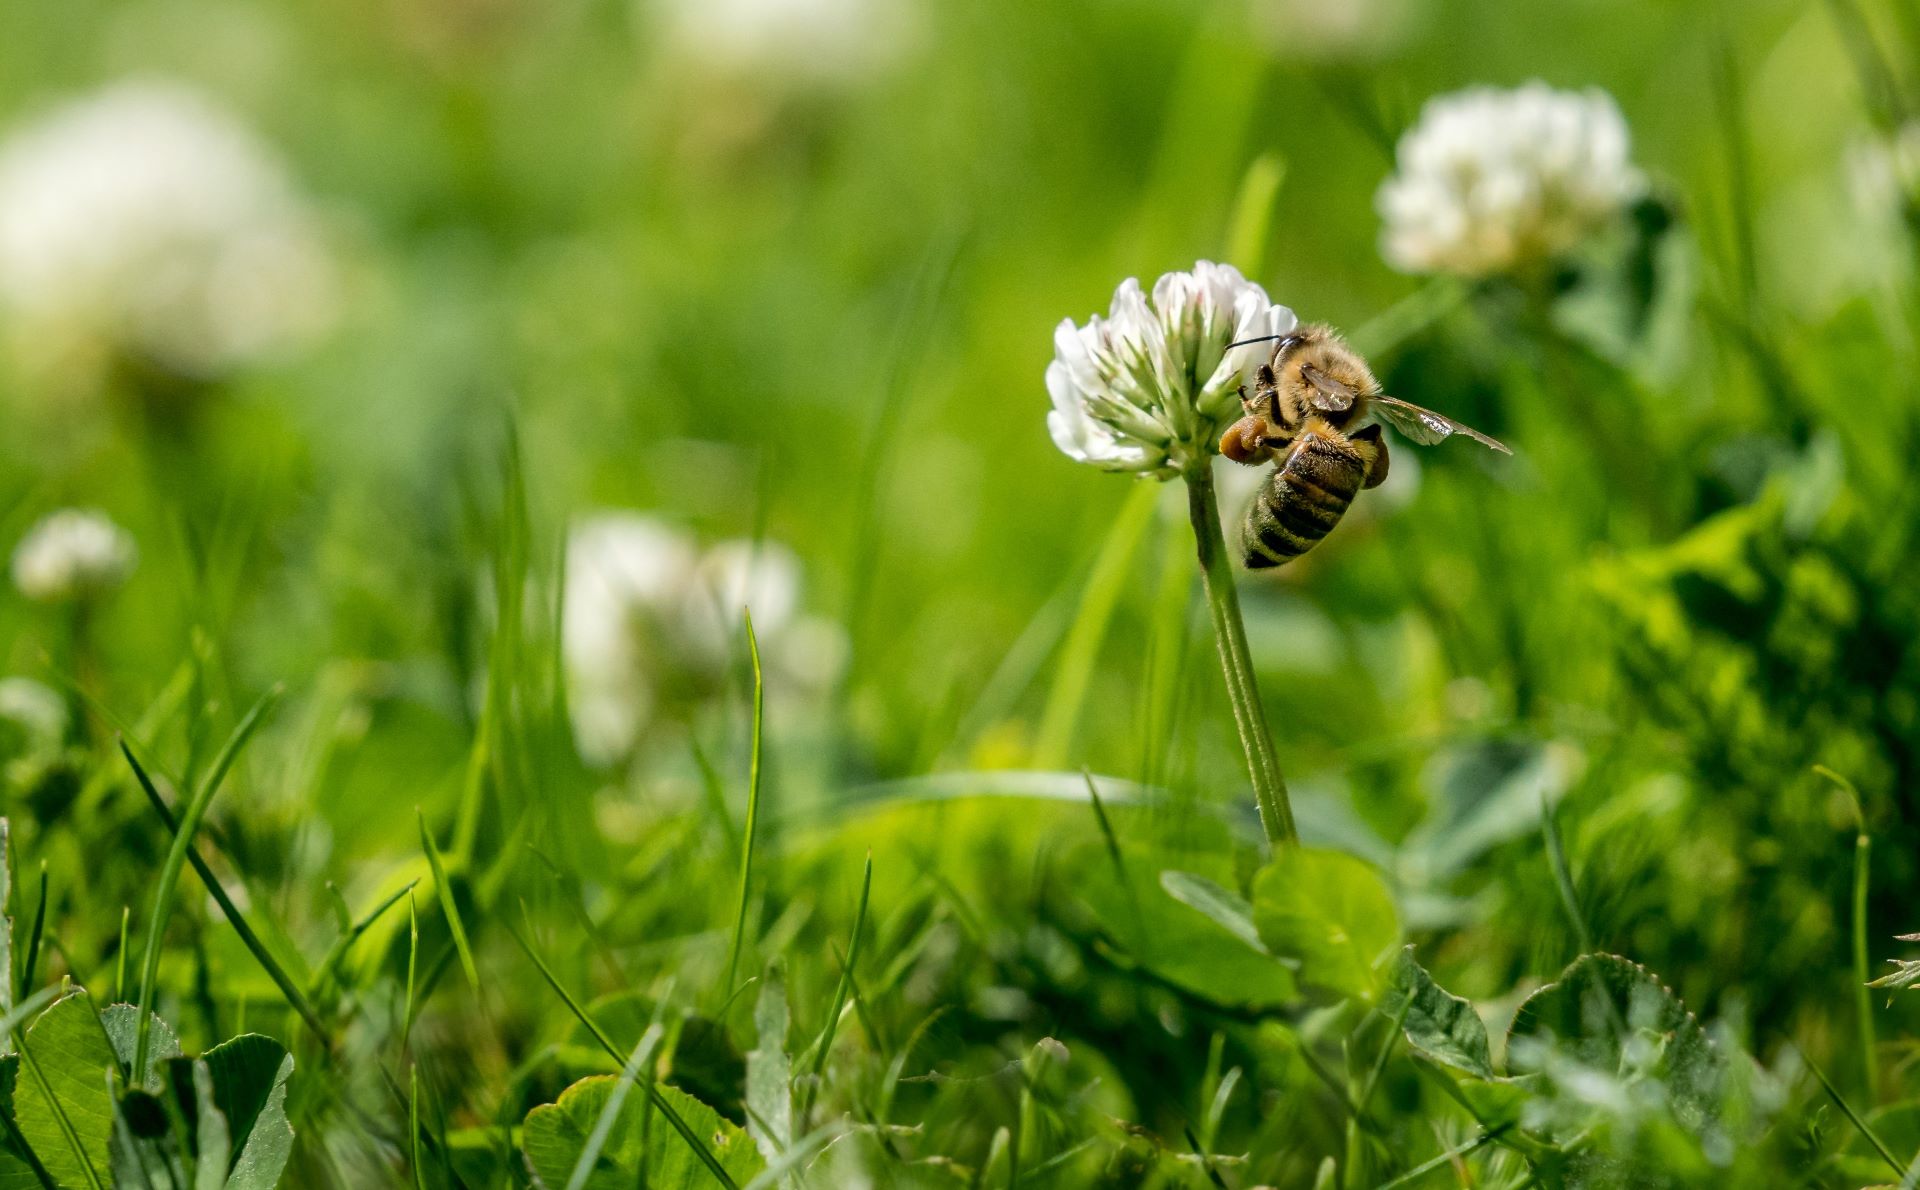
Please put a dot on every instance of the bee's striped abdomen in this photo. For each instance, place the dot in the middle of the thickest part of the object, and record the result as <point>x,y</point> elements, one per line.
<point>1301,502</point>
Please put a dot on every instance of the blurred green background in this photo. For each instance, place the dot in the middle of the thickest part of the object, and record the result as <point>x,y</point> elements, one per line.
<point>798,287</point>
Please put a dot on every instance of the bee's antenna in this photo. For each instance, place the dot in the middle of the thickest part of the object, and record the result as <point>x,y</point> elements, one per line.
<point>1262,339</point>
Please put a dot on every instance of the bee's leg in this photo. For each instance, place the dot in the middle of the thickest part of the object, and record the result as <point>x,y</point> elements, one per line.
<point>1373,448</point>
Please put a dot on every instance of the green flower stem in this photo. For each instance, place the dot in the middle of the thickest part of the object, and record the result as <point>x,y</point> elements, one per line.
<point>1230,634</point>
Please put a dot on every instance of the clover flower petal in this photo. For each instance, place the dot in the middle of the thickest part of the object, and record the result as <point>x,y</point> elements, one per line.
<point>1149,387</point>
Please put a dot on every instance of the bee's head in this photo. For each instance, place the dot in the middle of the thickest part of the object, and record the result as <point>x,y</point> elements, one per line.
<point>1322,370</point>
<point>1314,369</point>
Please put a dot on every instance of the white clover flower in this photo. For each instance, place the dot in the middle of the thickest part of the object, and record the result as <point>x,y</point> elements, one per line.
<point>793,41</point>
<point>652,623</point>
<point>620,568</point>
<point>1492,181</point>
<point>145,219</point>
<point>72,554</point>
<point>1150,387</point>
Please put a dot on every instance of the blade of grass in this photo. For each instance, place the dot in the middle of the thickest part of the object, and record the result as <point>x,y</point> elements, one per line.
<point>654,1097</point>
<point>33,937</point>
<point>1879,85</point>
<point>917,320</point>
<point>753,805</point>
<point>793,1157</point>
<point>163,895</point>
<point>7,998</point>
<point>1112,572</point>
<point>1205,1158</point>
<point>255,947</point>
<point>610,1110</point>
<point>1563,876</point>
<point>1447,1158</point>
<point>1862,852</point>
<point>413,955</point>
<point>1252,218</point>
<point>337,953</point>
<point>716,795</point>
<point>1380,1060</point>
<point>1169,641</point>
<point>1846,1109</point>
<point>120,957</point>
<point>1119,861</point>
<point>839,1001</point>
<point>444,891</point>
<point>413,1127</point>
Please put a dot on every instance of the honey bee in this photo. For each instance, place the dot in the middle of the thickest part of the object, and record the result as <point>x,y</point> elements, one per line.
<point>1317,408</point>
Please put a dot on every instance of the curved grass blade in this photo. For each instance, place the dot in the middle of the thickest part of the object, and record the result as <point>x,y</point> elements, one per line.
<point>825,1043</point>
<point>797,1154</point>
<point>168,888</point>
<point>1563,876</point>
<point>444,891</point>
<point>33,938</point>
<point>1846,1109</point>
<point>1099,599</point>
<point>753,803</point>
<point>610,1111</point>
<point>255,947</point>
<point>337,953</point>
<point>413,956</point>
<point>1252,217</point>
<point>1447,1158</point>
<point>654,1097</point>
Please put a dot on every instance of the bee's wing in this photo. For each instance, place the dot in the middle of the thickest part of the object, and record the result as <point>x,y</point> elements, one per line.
<point>1426,427</point>
<point>1324,392</point>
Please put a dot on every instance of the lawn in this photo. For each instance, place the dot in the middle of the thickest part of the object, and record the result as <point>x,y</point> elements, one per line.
<point>633,593</point>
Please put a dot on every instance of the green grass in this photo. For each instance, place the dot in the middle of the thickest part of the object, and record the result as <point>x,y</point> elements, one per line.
<point>982,898</point>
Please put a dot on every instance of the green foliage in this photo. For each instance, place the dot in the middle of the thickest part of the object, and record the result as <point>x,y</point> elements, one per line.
<point>64,1102</point>
<point>217,1122</point>
<point>1437,1023</point>
<point>1612,1015</point>
<point>555,1134</point>
<point>1331,914</point>
<point>796,311</point>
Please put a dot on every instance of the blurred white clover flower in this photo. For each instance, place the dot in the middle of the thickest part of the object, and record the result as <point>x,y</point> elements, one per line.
<point>1493,181</point>
<point>652,623</point>
<point>1150,387</point>
<point>36,711</point>
<point>793,41</point>
<point>1350,29</point>
<point>145,219</point>
<point>71,555</point>
<point>1884,173</point>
